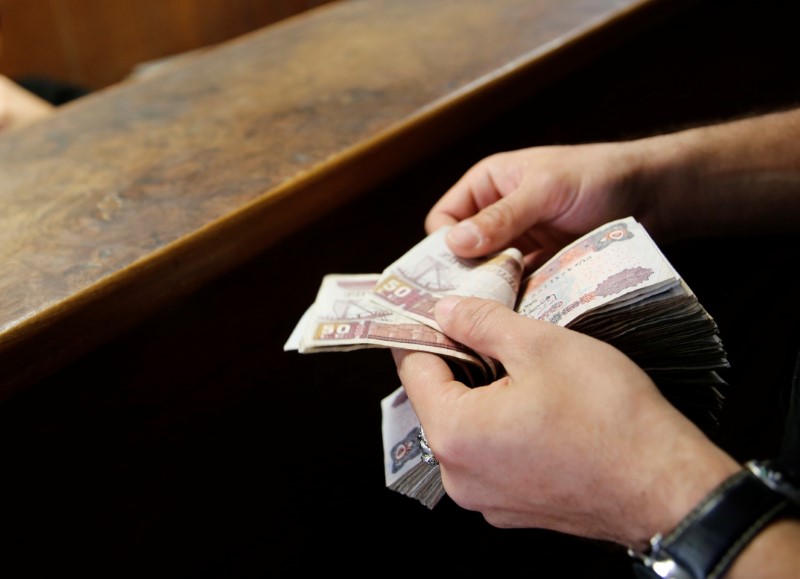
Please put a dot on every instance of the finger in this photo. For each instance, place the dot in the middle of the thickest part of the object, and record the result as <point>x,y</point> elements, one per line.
<point>476,189</point>
<point>489,327</point>
<point>455,205</point>
<point>428,382</point>
<point>497,225</point>
<point>495,209</point>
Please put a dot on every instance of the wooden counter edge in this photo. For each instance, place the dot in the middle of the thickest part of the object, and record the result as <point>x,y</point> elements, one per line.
<point>62,332</point>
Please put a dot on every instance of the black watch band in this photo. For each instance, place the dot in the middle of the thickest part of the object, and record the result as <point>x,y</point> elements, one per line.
<point>706,542</point>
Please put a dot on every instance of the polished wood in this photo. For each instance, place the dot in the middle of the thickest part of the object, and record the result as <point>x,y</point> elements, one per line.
<point>192,446</point>
<point>96,43</point>
<point>136,195</point>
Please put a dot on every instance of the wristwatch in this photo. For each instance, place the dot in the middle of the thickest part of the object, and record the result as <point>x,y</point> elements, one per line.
<point>706,542</point>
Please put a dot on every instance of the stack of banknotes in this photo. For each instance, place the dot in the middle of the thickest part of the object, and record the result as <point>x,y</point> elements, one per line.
<point>613,284</point>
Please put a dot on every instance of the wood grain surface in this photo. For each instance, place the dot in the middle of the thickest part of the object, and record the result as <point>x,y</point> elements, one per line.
<point>135,195</point>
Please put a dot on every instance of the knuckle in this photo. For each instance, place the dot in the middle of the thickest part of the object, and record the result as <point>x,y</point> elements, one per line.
<point>477,316</point>
<point>498,217</point>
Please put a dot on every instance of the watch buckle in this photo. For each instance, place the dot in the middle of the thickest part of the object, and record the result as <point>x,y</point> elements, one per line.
<point>658,562</point>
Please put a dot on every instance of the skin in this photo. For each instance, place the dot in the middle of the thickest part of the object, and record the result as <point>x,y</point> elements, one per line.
<point>576,438</point>
<point>19,107</point>
<point>741,177</point>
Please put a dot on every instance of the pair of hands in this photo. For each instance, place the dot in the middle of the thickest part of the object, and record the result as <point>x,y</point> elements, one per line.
<point>575,437</point>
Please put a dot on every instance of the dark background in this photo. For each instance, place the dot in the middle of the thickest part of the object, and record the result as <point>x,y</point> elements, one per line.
<point>194,446</point>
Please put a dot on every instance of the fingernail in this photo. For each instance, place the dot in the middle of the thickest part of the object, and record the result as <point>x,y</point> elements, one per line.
<point>465,234</point>
<point>445,305</point>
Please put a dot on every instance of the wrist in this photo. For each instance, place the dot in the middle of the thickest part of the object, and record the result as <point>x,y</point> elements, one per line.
<point>714,534</point>
<point>670,498</point>
<point>667,179</point>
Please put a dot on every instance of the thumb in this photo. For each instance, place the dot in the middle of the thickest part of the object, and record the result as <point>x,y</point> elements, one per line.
<point>486,326</point>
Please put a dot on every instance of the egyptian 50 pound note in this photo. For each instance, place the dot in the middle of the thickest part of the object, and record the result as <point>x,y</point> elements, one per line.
<point>344,317</point>
<point>413,284</point>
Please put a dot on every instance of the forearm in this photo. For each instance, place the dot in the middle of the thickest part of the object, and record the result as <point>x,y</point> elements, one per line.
<point>740,177</point>
<point>773,553</point>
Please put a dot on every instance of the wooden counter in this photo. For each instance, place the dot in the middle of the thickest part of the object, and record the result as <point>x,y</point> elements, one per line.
<point>134,196</point>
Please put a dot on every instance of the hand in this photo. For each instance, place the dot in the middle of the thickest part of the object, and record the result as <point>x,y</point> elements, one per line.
<point>730,178</point>
<point>539,199</point>
<point>18,106</point>
<point>575,438</point>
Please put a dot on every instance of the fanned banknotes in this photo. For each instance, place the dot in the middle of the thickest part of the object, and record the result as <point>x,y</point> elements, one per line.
<point>614,284</point>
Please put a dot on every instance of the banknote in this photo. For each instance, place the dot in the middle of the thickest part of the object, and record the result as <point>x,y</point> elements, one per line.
<point>345,317</point>
<point>395,308</point>
<point>413,284</point>
<point>613,266</point>
<point>614,284</point>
